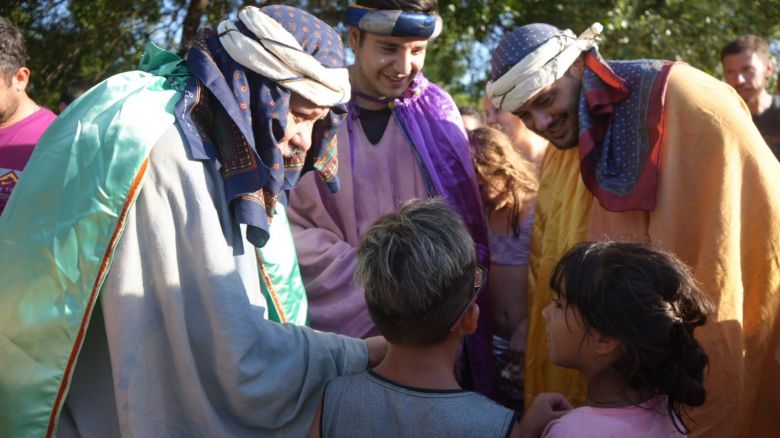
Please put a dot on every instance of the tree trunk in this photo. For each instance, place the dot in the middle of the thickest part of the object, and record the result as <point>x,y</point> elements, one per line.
<point>191,23</point>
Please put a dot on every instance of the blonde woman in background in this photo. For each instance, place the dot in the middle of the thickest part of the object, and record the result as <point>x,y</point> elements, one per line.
<point>508,185</point>
<point>530,145</point>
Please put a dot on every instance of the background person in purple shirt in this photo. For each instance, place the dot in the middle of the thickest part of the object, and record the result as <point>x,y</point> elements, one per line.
<point>22,121</point>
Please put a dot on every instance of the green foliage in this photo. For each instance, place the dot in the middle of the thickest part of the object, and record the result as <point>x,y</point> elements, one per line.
<point>690,31</point>
<point>693,31</point>
<point>80,39</point>
<point>92,39</point>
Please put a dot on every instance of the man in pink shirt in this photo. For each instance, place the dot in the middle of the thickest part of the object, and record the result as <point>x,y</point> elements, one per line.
<point>403,139</point>
<point>22,121</point>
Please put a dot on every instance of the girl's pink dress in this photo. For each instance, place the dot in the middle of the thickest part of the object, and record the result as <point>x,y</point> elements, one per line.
<point>647,420</point>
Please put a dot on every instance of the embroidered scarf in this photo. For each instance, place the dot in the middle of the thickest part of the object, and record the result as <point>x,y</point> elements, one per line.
<point>234,116</point>
<point>621,126</point>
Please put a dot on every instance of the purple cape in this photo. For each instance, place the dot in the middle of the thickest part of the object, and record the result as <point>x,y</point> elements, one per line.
<point>433,126</point>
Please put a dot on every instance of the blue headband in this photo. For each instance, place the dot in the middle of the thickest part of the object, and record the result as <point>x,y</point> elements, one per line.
<point>393,22</point>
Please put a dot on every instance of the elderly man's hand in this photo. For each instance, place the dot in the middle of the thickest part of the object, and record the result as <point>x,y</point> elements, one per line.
<point>377,349</point>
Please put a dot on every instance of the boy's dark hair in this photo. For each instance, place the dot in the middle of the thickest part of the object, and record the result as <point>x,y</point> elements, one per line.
<point>646,298</point>
<point>72,90</point>
<point>752,43</point>
<point>417,267</point>
<point>13,49</point>
<point>424,6</point>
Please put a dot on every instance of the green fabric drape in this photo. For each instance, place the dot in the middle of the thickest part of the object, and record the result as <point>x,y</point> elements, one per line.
<point>57,231</point>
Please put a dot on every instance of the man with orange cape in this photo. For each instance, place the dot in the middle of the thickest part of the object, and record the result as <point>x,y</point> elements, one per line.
<point>661,153</point>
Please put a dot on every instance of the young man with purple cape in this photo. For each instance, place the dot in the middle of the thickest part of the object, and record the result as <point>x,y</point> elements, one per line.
<point>403,139</point>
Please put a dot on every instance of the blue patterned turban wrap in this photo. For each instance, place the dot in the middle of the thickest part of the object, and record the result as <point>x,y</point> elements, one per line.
<point>518,44</point>
<point>234,109</point>
<point>393,22</point>
<point>532,57</point>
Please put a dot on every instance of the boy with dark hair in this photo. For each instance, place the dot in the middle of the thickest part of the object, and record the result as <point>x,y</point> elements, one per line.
<point>421,281</point>
<point>404,139</point>
<point>22,121</point>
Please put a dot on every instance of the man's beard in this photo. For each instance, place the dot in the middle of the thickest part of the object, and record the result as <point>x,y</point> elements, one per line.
<point>10,110</point>
<point>570,144</point>
<point>572,115</point>
<point>572,139</point>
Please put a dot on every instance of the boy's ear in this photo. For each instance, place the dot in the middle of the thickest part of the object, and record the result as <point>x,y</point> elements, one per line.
<point>469,323</point>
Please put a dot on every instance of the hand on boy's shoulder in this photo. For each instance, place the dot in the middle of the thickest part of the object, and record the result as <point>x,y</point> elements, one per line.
<point>377,349</point>
<point>546,407</point>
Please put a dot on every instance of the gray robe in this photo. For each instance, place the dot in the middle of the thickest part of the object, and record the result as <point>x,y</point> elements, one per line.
<point>179,344</point>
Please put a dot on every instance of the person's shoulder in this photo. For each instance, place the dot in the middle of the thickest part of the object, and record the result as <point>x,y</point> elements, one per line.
<point>350,382</point>
<point>490,416</point>
<point>46,114</point>
<point>698,94</point>
<point>482,400</point>
<point>431,88</point>
<point>689,76</point>
<point>565,426</point>
<point>349,379</point>
<point>343,388</point>
<point>40,119</point>
<point>479,403</point>
<point>585,422</point>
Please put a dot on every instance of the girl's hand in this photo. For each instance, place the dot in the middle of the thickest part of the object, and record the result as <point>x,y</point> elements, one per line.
<point>546,407</point>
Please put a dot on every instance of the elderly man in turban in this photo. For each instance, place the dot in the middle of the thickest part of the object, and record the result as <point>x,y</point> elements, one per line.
<point>662,153</point>
<point>131,303</point>
<point>403,139</point>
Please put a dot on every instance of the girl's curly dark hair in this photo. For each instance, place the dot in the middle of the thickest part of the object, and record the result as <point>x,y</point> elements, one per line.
<point>647,299</point>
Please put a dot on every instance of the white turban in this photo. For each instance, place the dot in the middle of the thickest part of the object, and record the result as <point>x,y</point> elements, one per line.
<point>540,68</point>
<point>282,59</point>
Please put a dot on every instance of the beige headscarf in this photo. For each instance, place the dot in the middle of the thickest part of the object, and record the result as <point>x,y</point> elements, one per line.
<point>282,58</point>
<point>540,68</point>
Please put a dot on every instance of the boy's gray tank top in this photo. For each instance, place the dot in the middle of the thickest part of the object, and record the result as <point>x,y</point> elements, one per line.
<point>368,405</point>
